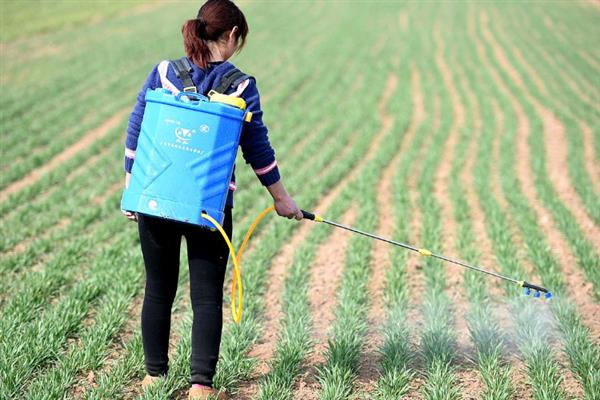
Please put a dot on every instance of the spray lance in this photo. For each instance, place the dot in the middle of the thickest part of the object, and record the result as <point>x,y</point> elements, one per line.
<point>529,288</point>
<point>236,286</point>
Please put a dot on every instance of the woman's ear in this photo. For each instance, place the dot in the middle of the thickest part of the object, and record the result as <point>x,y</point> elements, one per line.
<point>232,33</point>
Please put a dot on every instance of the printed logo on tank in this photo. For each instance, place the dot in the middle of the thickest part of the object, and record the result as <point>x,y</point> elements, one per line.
<point>181,137</point>
<point>184,136</point>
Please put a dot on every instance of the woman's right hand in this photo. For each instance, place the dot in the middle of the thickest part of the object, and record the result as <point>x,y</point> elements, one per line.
<point>127,179</point>
<point>130,215</point>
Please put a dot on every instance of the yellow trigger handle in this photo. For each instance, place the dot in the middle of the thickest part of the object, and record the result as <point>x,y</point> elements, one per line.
<point>236,308</point>
<point>216,97</point>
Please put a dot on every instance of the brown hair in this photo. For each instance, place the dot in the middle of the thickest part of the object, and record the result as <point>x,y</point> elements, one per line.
<point>214,18</point>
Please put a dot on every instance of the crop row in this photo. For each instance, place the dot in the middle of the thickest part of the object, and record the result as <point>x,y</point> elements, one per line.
<point>581,352</point>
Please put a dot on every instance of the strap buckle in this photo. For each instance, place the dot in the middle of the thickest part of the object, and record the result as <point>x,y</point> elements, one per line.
<point>190,89</point>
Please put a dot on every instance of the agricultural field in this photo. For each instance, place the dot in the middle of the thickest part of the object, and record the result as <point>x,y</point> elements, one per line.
<point>470,128</point>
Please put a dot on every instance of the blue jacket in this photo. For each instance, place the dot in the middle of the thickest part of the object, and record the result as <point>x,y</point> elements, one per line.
<point>254,141</point>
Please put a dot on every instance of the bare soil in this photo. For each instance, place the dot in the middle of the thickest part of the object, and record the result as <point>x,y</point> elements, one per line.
<point>535,78</point>
<point>368,372</point>
<point>468,377</point>
<point>87,379</point>
<point>502,314</point>
<point>587,57</point>
<point>524,172</point>
<point>556,146</point>
<point>592,160</point>
<point>579,288</point>
<point>105,128</point>
<point>414,262</point>
<point>263,349</point>
<point>325,278</point>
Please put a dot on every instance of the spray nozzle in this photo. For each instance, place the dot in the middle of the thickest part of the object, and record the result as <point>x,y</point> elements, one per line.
<point>537,290</point>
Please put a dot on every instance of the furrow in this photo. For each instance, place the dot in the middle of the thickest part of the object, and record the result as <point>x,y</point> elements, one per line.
<point>556,145</point>
<point>90,137</point>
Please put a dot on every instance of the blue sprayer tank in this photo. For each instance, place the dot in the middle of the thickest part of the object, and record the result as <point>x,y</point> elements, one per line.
<point>185,156</point>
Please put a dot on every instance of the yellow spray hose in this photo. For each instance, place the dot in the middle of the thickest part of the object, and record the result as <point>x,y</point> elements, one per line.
<point>236,307</point>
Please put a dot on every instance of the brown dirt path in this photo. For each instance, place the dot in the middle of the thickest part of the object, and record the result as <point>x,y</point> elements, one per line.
<point>556,145</point>
<point>326,275</point>
<point>524,173</point>
<point>368,373</point>
<point>87,379</point>
<point>414,262</point>
<point>19,247</point>
<point>533,74</point>
<point>501,312</point>
<point>496,185</point>
<point>104,129</point>
<point>592,161</point>
<point>478,217</point>
<point>468,377</point>
<point>595,64</point>
<point>519,369</point>
<point>579,288</point>
<point>575,87</point>
<point>263,349</point>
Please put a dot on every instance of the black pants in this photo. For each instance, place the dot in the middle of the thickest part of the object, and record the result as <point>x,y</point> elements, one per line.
<point>207,258</point>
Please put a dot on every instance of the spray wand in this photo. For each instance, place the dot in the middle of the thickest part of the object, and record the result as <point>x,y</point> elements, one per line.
<point>236,286</point>
<point>528,287</point>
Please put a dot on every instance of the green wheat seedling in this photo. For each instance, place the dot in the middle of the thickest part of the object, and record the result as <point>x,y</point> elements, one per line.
<point>70,267</point>
<point>484,331</point>
<point>294,341</point>
<point>48,211</point>
<point>109,383</point>
<point>533,241</point>
<point>437,336</point>
<point>586,256</point>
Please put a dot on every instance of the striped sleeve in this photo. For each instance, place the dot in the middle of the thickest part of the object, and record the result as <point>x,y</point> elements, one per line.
<point>254,140</point>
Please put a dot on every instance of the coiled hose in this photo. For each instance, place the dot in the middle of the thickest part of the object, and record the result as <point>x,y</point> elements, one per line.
<point>236,285</point>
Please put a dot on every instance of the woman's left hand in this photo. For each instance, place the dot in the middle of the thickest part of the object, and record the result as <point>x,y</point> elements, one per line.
<point>286,207</point>
<point>284,204</point>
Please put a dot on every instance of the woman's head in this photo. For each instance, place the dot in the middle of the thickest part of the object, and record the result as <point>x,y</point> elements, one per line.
<point>220,26</point>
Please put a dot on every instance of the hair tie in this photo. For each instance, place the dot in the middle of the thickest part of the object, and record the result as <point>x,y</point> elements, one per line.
<point>201,28</point>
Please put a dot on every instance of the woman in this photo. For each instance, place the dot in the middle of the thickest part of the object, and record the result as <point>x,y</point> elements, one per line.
<point>219,31</point>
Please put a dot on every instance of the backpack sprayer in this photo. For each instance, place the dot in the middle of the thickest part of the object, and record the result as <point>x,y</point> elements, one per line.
<point>186,151</point>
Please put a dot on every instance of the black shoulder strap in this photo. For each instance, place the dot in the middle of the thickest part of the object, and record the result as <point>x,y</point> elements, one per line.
<point>233,77</point>
<point>182,69</point>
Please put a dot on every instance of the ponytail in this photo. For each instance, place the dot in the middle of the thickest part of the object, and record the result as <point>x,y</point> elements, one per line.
<point>194,42</point>
<point>214,18</point>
